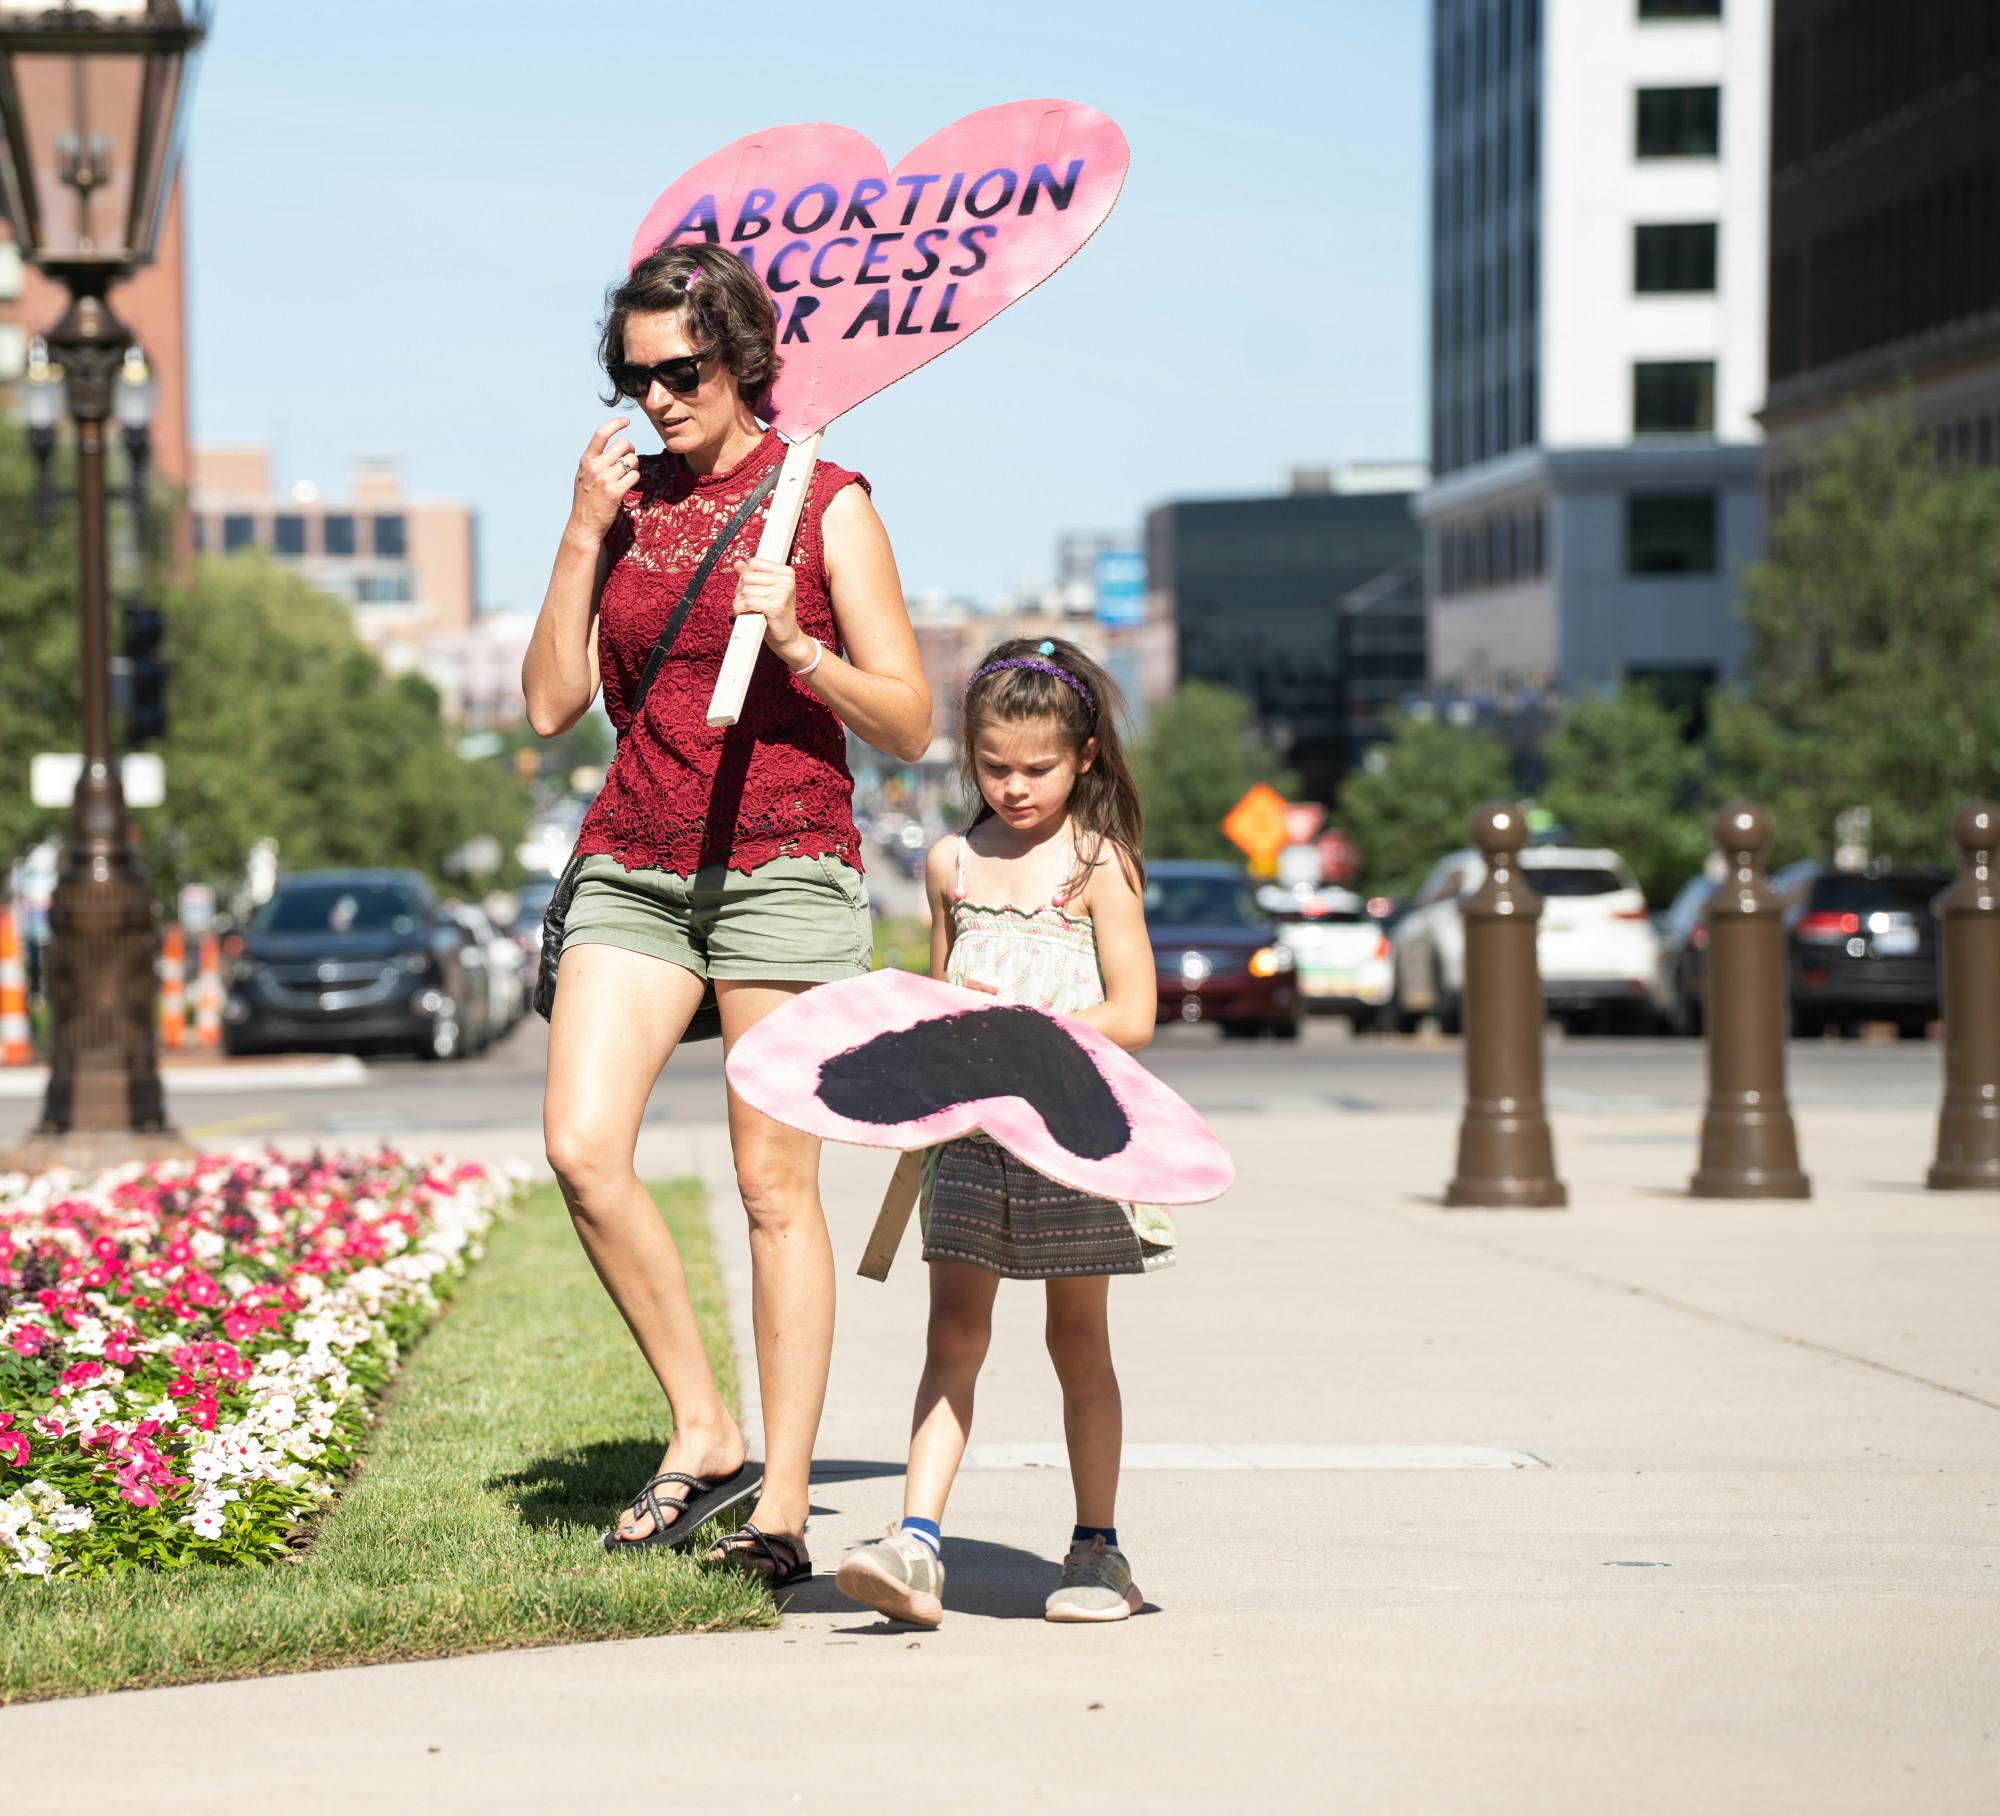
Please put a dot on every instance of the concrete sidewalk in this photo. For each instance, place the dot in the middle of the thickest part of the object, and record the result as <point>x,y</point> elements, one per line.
<point>1747,1556</point>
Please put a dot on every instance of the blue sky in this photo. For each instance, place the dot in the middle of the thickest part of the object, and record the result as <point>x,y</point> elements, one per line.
<point>404,218</point>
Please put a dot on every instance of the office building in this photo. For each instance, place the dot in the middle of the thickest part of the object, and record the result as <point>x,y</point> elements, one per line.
<point>1253,590</point>
<point>406,566</point>
<point>1885,198</point>
<point>1597,340</point>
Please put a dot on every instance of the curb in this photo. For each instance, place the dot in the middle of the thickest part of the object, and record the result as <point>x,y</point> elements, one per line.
<point>214,1080</point>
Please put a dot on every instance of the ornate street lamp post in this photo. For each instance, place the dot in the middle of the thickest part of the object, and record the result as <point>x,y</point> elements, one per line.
<point>90,110</point>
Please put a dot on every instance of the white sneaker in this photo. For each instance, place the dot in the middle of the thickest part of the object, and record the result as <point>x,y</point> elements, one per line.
<point>1096,1585</point>
<point>899,1576</point>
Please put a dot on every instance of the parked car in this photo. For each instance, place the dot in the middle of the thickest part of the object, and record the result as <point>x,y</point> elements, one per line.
<point>1862,946</point>
<point>1596,946</point>
<point>349,960</point>
<point>1216,953</point>
<point>1340,952</point>
<point>1682,978</point>
<point>505,967</point>
<point>531,902</point>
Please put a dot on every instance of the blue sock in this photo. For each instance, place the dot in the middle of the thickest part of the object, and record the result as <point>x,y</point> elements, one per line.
<point>927,1530</point>
<point>1084,1534</point>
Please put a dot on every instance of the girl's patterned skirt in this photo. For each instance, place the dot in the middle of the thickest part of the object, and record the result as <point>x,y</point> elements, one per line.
<point>985,1207</point>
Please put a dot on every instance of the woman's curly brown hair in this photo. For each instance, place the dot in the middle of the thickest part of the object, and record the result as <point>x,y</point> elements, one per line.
<point>728,311</point>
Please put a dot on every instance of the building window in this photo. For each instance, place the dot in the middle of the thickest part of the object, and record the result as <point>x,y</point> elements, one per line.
<point>383,589</point>
<point>1670,533</point>
<point>1673,397</point>
<point>1680,9</point>
<point>389,538</point>
<point>288,534</point>
<point>201,535</point>
<point>239,531</point>
<point>1680,122</point>
<point>1676,256</point>
<point>337,534</point>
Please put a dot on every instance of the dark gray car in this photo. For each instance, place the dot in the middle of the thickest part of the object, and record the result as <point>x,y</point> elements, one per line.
<point>348,961</point>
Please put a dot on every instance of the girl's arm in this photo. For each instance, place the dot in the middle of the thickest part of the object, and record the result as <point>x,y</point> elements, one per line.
<point>940,872</point>
<point>1124,954</point>
<point>878,689</point>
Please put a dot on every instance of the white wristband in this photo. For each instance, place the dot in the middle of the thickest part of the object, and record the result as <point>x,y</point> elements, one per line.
<point>819,652</point>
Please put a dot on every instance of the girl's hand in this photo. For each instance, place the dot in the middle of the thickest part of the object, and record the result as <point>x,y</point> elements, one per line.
<point>608,470</point>
<point>771,590</point>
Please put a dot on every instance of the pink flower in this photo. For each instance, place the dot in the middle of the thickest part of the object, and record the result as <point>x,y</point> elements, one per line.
<point>79,1372</point>
<point>28,1340</point>
<point>50,1426</point>
<point>14,1446</point>
<point>118,1350</point>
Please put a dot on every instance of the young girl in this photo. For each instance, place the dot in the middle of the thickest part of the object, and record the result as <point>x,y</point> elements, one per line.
<point>1039,902</point>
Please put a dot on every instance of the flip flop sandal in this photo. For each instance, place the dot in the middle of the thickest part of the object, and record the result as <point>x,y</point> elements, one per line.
<point>676,1522</point>
<point>777,1561</point>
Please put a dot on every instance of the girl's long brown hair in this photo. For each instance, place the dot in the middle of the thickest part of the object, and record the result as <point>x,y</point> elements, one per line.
<point>1105,802</point>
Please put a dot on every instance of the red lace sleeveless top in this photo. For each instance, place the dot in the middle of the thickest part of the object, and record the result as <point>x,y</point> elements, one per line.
<point>681,795</point>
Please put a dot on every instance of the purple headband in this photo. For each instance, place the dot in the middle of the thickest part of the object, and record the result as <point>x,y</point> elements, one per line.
<point>1043,667</point>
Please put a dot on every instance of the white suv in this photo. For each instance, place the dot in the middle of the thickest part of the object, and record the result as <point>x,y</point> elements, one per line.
<point>1596,945</point>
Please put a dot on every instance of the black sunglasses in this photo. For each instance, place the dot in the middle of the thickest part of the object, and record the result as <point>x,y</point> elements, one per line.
<point>680,376</point>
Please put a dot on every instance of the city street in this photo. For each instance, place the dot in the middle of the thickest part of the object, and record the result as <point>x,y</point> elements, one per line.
<point>1649,1505</point>
<point>1328,1069</point>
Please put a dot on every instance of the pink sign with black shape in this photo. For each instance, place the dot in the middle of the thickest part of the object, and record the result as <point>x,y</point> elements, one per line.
<point>894,1060</point>
<point>875,272</point>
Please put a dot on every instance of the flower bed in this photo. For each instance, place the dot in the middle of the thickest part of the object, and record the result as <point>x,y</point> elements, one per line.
<point>188,1351</point>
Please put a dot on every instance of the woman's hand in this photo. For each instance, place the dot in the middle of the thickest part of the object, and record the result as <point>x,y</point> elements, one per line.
<point>771,590</point>
<point>608,470</point>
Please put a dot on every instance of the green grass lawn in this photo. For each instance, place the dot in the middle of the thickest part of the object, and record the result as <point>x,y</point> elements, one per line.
<point>902,943</point>
<point>516,1429</point>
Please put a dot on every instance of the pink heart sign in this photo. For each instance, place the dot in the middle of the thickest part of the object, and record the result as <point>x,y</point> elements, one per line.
<point>876,272</point>
<point>893,1060</point>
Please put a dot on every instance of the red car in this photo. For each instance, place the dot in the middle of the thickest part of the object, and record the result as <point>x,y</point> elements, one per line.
<point>1216,953</point>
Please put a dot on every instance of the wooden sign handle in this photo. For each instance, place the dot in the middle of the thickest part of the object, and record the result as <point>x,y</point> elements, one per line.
<point>746,636</point>
<point>894,1216</point>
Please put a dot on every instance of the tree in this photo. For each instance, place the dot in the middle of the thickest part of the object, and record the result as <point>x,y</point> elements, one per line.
<point>1620,772</point>
<point>1874,673</point>
<point>283,726</point>
<point>1409,804</point>
<point>40,676</point>
<point>588,744</point>
<point>1198,757</point>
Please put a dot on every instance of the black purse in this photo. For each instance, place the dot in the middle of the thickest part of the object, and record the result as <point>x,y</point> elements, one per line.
<point>707,1022</point>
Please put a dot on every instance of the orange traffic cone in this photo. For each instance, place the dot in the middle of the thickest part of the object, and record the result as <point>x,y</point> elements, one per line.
<point>15,1049</point>
<point>208,994</point>
<point>173,988</point>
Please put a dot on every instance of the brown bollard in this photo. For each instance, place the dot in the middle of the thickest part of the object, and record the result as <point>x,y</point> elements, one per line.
<point>1749,1148</point>
<point>1968,1143</point>
<point>1506,1157</point>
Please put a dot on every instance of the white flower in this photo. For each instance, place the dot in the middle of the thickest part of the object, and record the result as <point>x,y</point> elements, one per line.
<point>91,1408</point>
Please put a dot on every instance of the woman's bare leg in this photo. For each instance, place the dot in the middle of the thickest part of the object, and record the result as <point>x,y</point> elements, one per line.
<point>791,1260</point>
<point>618,1016</point>
<point>961,1327</point>
<point>1079,1335</point>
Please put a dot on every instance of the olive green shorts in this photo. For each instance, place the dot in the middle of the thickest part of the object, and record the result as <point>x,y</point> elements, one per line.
<point>791,920</point>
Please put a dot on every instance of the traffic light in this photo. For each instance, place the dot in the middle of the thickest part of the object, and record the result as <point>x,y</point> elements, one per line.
<point>145,676</point>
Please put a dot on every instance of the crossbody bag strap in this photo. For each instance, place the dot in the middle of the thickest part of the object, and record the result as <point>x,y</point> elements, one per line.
<point>694,586</point>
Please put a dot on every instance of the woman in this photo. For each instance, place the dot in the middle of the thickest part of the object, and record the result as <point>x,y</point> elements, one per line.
<point>722,855</point>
